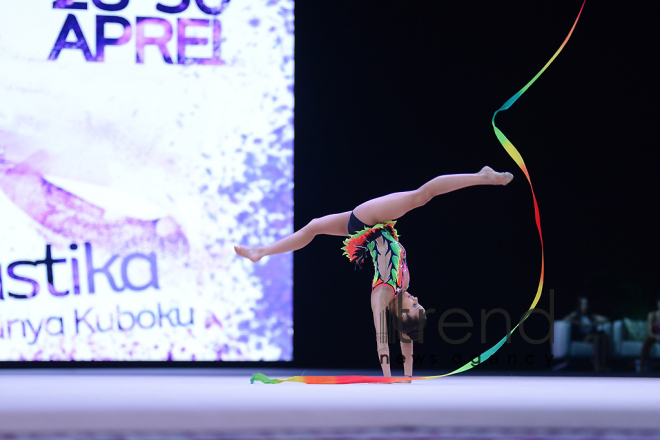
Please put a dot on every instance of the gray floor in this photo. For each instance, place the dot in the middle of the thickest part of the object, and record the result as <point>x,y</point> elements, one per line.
<point>83,402</point>
<point>410,433</point>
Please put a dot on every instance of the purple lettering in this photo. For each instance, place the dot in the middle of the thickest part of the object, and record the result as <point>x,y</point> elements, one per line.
<point>121,4</point>
<point>217,33</point>
<point>166,316</point>
<point>2,296</point>
<point>173,9</point>
<point>141,40</point>
<point>183,41</point>
<point>58,319</point>
<point>48,261</point>
<point>33,283</point>
<point>75,273</point>
<point>190,322</point>
<point>76,276</point>
<point>147,312</point>
<point>35,331</point>
<point>83,319</point>
<point>212,11</point>
<point>71,24</point>
<point>153,282</point>
<point>119,314</point>
<point>103,330</point>
<point>69,4</point>
<point>10,323</point>
<point>102,41</point>
<point>91,271</point>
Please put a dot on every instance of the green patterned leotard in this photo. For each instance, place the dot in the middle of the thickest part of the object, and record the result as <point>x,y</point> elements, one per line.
<point>381,241</point>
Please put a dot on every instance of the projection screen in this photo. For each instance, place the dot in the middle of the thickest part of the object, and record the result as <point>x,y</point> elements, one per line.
<point>140,141</point>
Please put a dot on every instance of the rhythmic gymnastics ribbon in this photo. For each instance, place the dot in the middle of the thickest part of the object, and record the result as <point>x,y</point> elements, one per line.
<point>515,155</point>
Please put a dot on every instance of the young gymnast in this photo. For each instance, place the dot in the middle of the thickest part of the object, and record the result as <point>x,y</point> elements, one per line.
<point>370,229</point>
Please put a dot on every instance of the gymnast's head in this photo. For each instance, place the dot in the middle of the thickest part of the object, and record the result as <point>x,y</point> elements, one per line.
<point>412,315</point>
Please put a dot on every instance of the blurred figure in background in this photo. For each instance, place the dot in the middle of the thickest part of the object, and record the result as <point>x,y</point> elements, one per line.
<point>587,327</point>
<point>653,321</point>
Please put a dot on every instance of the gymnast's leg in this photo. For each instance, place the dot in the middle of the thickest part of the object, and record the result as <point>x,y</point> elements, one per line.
<point>333,224</point>
<point>393,206</point>
<point>389,207</point>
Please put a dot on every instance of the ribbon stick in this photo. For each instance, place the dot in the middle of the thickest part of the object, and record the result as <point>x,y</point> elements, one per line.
<point>515,155</point>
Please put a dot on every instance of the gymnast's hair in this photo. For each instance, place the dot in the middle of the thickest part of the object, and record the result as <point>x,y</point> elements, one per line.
<point>410,324</point>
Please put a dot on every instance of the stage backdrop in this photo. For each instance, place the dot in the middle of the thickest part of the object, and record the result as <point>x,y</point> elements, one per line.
<point>139,141</point>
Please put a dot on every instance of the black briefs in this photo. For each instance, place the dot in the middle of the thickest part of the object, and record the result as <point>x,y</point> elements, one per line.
<point>355,225</point>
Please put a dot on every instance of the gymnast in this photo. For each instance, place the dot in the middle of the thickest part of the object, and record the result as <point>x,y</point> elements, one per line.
<point>370,229</point>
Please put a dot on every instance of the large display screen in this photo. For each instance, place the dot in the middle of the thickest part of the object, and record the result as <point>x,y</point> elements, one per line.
<point>139,141</point>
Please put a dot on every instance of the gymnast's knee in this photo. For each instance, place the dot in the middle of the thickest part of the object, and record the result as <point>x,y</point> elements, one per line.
<point>422,196</point>
<point>313,226</point>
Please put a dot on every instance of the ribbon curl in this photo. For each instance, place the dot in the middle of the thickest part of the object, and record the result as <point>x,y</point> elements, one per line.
<point>515,155</point>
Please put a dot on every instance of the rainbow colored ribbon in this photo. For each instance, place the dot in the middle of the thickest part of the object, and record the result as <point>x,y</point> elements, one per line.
<point>515,155</point>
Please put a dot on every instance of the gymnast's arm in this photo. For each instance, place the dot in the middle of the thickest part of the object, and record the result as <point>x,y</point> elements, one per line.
<point>407,352</point>
<point>379,309</point>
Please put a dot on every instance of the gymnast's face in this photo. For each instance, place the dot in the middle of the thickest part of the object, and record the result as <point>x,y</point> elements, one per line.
<point>410,303</point>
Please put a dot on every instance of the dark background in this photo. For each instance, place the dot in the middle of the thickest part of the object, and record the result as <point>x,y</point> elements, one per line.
<point>390,94</point>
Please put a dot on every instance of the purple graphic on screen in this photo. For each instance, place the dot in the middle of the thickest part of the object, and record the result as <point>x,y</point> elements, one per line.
<point>277,272</point>
<point>79,220</point>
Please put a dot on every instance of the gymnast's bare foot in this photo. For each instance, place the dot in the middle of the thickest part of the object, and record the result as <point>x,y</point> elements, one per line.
<point>495,178</point>
<point>250,252</point>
